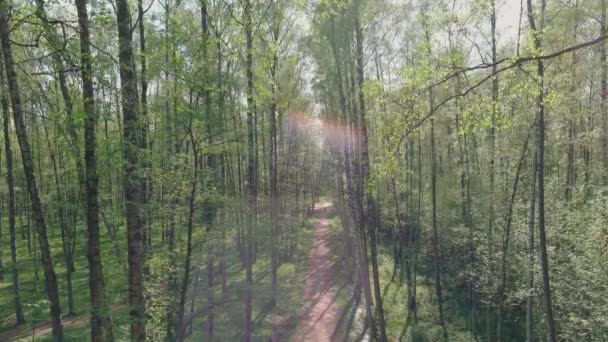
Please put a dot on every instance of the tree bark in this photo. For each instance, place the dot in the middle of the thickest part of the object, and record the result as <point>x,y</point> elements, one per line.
<point>604,90</point>
<point>530,275</point>
<point>506,240</point>
<point>540,171</point>
<point>146,185</point>
<point>101,323</point>
<point>356,212</point>
<point>32,187</point>
<point>251,173</point>
<point>181,326</point>
<point>274,203</point>
<point>435,239</point>
<point>492,185</point>
<point>10,182</point>
<point>66,236</point>
<point>132,180</point>
<point>372,217</point>
<point>52,37</point>
<point>210,299</point>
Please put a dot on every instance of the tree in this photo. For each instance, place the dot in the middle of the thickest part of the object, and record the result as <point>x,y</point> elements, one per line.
<point>604,85</point>
<point>132,181</point>
<point>28,168</point>
<point>540,168</point>
<point>101,323</point>
<point>252,190</point>
<point>371,208</point>
<point>10,182</point>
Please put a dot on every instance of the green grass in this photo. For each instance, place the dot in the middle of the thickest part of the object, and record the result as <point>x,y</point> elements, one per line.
<point>350,323</point>
<point>228,321</point>
<point>394,296</point>
<point>394,300</point>
<point>283,317</point>
<point>32,287</point>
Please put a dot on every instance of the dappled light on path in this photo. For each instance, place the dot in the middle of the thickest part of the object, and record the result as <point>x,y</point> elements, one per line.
<point>321,317</point>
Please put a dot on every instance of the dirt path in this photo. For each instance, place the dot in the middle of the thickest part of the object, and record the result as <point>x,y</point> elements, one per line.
<point>322,315</point>
<point>26,330</point>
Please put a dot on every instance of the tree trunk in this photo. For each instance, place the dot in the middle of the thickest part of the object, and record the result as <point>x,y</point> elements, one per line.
<point>418,228</point>
<point>435,240</point>
<point>65,234</point>
<point>197,273</point>
<point>132,181</point>
<point>570,166</point>
<point>181,326</point>
<point>28,168</point>
<point>435,237</point>
<point>505,242</point>
<point>210,299</point>
<point>251,174</point>
<point>355,208</point>
<point>492,185</point>
<point>144,145</point>
<point>530,278</point>
<point>274,203</point>
<point>604,90</point>
<point>101,323</point>
<point>372,215</point>
<point>540,170</point>
<point>10,183</point>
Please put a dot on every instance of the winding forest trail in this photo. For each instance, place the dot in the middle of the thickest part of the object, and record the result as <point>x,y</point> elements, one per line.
<point>320,321</point>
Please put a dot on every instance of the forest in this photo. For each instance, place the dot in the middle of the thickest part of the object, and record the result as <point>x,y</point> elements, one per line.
<point>304,170</point>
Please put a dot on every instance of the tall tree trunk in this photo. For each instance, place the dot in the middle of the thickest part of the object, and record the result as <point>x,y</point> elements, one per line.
<point>251,173</point>
<point>506,240</point>
<point>146,185</point>
<point>530,273</point>
<point>132,181</point>
<point>274,203</point>
<point>197,273</point>
<point>492,185</point>
<point>181,321</point>
<point>65,234</point>
<point>58,63</point>
<point>10,183</point>
<point>225,164</point>
<point>604,90</point>
<point>357,215</point>
<point>210,299</point>
<point>32,187</point>
<point>435,239</point>
<point>53,38</point>
<point>371,214</point>
<point>418,226</point>
<point>540,169</point>
<point>570,166</point>
<point>101,323</point>
<point>1,260</point>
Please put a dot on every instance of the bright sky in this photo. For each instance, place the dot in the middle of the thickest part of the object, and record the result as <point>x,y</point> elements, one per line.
<point>507,18</point>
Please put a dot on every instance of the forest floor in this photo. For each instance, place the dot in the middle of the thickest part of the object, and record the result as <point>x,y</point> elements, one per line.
<point>314,295</point>
<point>25,330</point>
<point>320,321</point>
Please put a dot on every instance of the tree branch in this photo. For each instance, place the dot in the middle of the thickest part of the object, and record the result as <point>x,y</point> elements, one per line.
<point>515,62</point>
<point>520,60</point>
